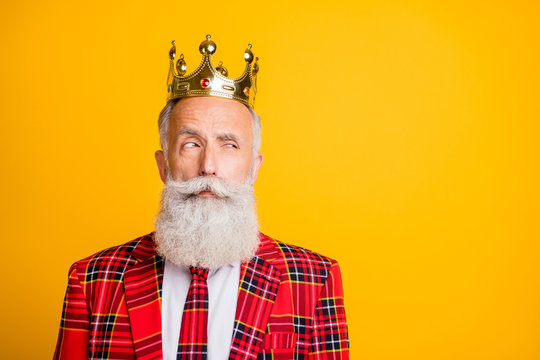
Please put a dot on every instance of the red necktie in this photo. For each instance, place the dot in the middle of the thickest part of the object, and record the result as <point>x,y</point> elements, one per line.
<point>193,341</point>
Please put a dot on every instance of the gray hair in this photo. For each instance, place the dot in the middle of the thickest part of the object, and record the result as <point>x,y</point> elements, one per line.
<point>163,125</point>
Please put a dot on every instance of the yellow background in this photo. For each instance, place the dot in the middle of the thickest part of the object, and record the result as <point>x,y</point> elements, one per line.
<point>400,138</point>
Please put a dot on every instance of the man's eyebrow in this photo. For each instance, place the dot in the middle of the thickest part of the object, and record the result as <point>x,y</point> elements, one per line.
<point>228,136</point>
<point>187,131</point>
<point>222,136</point>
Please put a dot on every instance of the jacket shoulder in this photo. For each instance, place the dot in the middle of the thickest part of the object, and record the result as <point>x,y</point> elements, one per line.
<point>116,258</point>
<point>297,263</point>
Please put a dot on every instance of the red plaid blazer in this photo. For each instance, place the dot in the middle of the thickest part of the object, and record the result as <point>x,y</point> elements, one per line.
<point>290,305</point>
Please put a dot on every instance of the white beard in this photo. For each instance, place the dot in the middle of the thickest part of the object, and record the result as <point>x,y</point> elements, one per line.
<point>207,232</point>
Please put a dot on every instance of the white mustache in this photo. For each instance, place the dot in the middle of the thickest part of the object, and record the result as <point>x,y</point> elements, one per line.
<point>217,186</point>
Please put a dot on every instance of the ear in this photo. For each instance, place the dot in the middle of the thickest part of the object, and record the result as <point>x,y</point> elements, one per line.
<point>256,166</point>
<point>162,165</point>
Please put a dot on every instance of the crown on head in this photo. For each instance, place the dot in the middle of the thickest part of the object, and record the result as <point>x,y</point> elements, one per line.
<point>209,81</point>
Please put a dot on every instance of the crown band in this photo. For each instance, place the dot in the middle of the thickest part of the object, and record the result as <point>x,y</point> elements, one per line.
<point>209,81</point>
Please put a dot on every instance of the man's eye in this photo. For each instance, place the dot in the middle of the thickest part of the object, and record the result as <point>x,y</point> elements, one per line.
<point>233,146</point>
<point>190,145</point>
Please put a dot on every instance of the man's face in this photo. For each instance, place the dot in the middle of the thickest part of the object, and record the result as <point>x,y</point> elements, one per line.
<point>210,136</point>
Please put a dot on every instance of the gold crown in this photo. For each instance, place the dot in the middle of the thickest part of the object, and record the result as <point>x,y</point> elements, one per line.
<point>209,81</point>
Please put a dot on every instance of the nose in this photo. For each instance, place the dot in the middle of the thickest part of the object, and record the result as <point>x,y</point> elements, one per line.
<point>208,163</point>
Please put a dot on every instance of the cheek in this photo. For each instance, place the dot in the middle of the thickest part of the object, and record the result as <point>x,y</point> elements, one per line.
<point>236,168</point>
<point>183,166</point>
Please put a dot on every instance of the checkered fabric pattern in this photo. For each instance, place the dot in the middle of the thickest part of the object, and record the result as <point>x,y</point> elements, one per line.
<point>307,320</point>
<point>290,306</point>
<point>193,340</point>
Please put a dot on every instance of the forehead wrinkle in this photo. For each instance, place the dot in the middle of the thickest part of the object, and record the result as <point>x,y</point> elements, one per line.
<point>208,122</point>
<point>188,114</point>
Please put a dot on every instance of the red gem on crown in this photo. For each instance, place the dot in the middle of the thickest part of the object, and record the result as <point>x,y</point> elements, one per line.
<point>205,83</point>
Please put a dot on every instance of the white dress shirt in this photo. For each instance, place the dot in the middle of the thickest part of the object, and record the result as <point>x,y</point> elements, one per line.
<point>222,297</point>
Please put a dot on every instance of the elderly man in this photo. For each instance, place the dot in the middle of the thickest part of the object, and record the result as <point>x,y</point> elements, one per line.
<point>206,284</point>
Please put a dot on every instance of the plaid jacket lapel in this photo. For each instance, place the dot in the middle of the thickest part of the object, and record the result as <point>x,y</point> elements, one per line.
<point>143,284</point>
<point>259,282</point>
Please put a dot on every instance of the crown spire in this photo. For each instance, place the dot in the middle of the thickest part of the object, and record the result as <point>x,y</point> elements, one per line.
<point>209,81</point>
